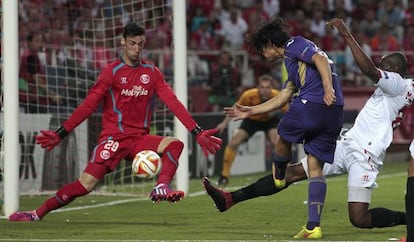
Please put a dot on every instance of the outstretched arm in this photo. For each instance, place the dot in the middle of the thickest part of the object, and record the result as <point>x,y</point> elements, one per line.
<point>364,62</point>
<point>240,112</point>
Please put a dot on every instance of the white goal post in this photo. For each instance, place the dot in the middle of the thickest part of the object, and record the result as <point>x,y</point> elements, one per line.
<point>180,77</point>
<point>10,75</point>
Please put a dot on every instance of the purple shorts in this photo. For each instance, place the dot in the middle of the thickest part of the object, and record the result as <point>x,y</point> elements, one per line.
<point>315,125</point>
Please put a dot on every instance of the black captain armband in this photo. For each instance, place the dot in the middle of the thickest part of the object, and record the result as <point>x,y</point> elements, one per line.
<point>196,130</point>
<point>61,132</point>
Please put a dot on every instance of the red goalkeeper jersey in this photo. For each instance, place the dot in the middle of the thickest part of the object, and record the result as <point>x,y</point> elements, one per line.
<point>127,93</point>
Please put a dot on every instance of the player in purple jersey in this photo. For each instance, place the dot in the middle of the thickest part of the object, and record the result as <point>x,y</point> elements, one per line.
<point>126,88</point>
<point>315,115</point>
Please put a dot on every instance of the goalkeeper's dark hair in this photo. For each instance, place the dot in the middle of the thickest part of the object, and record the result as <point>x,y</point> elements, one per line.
<point>133,29</point>
<point>273,32</point>
<point>400,61</point>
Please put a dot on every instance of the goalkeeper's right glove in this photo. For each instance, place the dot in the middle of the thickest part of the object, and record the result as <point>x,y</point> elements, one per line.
<point>208,142</point>
<point>48,139</point>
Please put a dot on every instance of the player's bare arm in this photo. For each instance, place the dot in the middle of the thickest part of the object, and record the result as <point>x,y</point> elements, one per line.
<point>240,112</point>
<point>324,69</point>
<point>364,62</point>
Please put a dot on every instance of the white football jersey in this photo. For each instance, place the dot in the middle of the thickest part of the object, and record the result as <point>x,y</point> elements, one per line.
<point>373,127</point>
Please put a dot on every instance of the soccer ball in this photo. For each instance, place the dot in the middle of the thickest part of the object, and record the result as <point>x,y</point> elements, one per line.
<point>146,164</point>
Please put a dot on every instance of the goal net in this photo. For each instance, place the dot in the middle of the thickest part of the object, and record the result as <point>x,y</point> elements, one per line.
<point>79,39</point>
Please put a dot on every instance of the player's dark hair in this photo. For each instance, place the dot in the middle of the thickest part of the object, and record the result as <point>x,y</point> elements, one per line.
<point>399,60</point>
<point>133,29</point>
<point>273,32</point>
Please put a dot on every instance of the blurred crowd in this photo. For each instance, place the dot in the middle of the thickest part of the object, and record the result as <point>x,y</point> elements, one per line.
<point>85,34</point>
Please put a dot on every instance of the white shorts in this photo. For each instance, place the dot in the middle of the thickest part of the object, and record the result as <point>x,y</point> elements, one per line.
<point>361,166</point>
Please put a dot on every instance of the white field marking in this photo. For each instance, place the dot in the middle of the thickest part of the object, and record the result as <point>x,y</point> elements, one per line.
<point>194,194</point>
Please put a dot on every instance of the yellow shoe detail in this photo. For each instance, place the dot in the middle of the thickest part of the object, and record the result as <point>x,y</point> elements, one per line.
<point>315,233</point>
<point>279,183</point>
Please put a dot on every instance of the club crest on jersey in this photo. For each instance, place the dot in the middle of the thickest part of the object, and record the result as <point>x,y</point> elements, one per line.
<point>123,80</point>
<point>144,78</point>
<point>105,154</point>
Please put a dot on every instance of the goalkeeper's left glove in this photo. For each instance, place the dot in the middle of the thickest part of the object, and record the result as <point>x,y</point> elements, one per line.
<point>208,142</point>
<point>48,139</point>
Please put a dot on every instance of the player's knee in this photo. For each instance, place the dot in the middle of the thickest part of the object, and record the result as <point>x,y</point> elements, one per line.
<point>176,144</point>
<point>174,148</point>
<point>235,142</point>
<point>359,223</point>
<point>360,220</point>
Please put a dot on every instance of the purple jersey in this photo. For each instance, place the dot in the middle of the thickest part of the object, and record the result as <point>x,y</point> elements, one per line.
<point>302,72</point>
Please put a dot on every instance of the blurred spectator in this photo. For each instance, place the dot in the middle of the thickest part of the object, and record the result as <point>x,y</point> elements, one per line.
<point>317,23</point>
<point>337,55</point>
<point>331,41</point>
<point>333,5</point>
<point>233,30</point>
<point>202,38</point>
<point>198,18</point>
<point>257,10</point>
<point>408,39</point>
<point>271,7</point>
<point>306,30</point>
<point>222,12</point>
<point>198,70</point>
<point>198,67</point>
<point>353,75</point>
<point>408,45</point>
<point>343,14</point>
<point>409,13</point>
<point>34,94</point>
<point>307,6</point>
<point>391,14</point>
<point>224,84</point>
<point>369,25</point>
<point>384,40</point>
<point>243,4</point>
<point>207,6</point>
<point>296,22</point>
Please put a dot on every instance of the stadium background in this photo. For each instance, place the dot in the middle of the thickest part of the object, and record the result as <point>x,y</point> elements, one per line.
<point>81,36</point>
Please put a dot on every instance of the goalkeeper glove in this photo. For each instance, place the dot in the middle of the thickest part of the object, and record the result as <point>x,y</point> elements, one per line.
<point>208,142</point>
<point>48,139</point>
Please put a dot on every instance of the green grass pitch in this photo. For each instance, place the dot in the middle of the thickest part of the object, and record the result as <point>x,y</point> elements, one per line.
<point>273,218</point>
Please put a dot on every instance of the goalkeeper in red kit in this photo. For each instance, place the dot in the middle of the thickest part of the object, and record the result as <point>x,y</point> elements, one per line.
<point>126,87</point>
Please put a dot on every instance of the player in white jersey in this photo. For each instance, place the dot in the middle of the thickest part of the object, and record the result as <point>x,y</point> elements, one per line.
<point>392,94</point>
<point>361,150</point>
